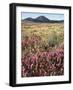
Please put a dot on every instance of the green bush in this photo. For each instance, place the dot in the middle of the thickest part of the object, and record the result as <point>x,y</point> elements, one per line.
<point>53,39</point>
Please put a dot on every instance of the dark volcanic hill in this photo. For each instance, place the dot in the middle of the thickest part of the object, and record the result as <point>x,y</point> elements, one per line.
<point>43,19</point>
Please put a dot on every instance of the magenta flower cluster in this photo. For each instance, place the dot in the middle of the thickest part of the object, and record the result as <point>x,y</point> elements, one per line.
<point>41,63</point>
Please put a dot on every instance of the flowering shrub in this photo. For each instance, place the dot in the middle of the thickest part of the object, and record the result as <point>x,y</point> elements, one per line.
<point>37,61</point>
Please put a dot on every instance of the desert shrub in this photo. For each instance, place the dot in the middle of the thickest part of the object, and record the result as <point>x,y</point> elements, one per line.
<point>53,39</point>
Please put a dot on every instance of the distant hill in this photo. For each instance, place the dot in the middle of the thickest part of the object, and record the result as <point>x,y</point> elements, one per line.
<point>43,19</point>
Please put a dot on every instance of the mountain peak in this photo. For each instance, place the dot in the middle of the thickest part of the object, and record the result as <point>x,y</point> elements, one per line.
<point>42,18</point>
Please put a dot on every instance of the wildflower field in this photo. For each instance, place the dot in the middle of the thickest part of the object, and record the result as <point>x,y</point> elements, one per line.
<point>42,49</point>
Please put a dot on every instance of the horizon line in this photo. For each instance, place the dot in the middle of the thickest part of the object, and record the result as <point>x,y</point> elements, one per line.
<point>45,17</point>
<point>51,16</point>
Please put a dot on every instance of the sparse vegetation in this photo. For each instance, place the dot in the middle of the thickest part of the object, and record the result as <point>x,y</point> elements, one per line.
<point>42,49</point>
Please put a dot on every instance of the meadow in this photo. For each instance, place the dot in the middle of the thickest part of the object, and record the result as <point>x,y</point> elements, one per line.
<point>42,49</point>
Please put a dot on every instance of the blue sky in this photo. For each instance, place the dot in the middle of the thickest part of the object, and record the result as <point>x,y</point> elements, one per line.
<point>48,15</point>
